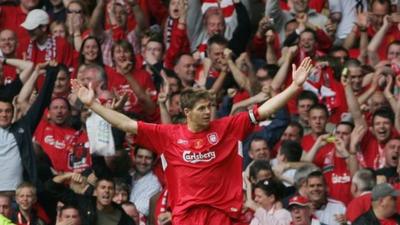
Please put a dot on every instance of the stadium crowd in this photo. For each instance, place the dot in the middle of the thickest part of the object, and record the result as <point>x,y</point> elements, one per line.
<point>200,112</point>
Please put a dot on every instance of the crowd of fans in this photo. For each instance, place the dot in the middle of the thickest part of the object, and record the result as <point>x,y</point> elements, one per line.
<point>330,156</point>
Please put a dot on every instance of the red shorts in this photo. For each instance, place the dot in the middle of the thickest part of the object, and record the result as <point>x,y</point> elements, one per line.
<point>202,215</point>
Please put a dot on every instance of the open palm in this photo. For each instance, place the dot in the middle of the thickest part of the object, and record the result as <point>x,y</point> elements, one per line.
<point>86,95</point>
<point>300,74</point>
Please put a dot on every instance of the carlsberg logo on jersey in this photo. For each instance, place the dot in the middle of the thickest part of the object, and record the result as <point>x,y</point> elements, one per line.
<point>193,157</point>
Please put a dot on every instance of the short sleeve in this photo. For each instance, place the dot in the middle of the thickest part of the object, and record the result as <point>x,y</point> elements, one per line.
<point>153,136</point>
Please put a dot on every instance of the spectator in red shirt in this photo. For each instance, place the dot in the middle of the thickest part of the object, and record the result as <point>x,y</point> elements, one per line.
<point>8,49</point>
<point>53,135</point>
<point>42,46</point>
<point>361,185</point>
<point>318,118</point>
<point>391,153</point>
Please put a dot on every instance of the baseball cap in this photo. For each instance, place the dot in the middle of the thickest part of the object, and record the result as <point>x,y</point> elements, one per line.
<point>383,190</point>
<point>35,18</point>
<point>298,200</point>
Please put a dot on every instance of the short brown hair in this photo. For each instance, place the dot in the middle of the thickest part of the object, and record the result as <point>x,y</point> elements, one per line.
<point>190,96</point>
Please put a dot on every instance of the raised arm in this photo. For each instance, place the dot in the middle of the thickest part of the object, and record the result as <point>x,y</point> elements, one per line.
<point>299,77</point>
<point>238,75</point>
<point>25,67</point>
<point>281,75</point>
<point>361,25</point>
<point>376,41</point>
<point>96,20</point>
<point>118,120</point>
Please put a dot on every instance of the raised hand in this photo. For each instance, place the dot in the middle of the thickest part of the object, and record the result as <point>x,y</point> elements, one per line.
<point>227,53</point>
<point>86,95</point>
<point>357,135</point>
<point>300,74</point>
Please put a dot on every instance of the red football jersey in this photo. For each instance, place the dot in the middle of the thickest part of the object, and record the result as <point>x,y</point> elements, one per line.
<point>54,142</point>
<point>337,177</point>
<point>203,168</point>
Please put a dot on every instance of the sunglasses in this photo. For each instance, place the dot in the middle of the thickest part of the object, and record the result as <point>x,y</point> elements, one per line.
<point>74,11</point>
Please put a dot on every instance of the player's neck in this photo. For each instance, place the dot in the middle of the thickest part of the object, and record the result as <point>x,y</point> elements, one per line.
<point>193,127</point>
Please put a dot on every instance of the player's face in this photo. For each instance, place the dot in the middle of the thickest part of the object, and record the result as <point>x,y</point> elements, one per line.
<point>104,192</point>
<point>58,111</point>
<point>259,150</point>
<point>200,115</point>
<point>300,215</point>
<point>120,197</point>
<point>291,133</point>
<point>392,151</point>
<point>315,189</point>
<point>71,214</point>
<point>318,120</point>
<point>381,127</point>
<point>143,161</point>
<point>25,198</point>
<point>262,199</point>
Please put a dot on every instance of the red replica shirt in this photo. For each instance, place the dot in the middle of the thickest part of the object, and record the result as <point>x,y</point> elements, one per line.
<point>203,168</point>
<point>53,139</point>
<point>372,151</point>
<point>117,82</point>
<point>338,177</point>
<point>78,152</point>
<point>358,206</point>
<point>55,48</point>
